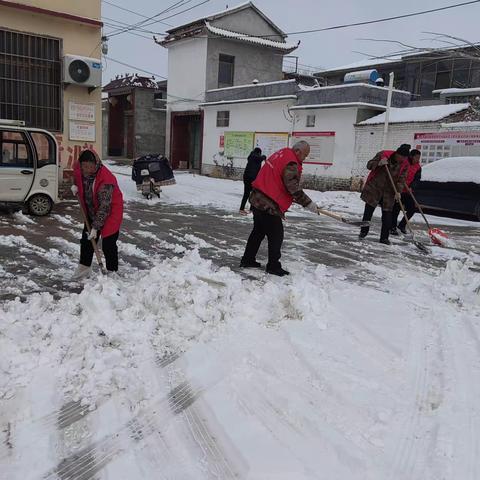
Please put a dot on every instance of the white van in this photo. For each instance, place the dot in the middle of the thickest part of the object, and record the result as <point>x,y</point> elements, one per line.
<point>28,167</point>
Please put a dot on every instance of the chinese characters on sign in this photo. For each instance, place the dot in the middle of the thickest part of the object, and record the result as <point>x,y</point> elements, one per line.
<point>322,146</point>
<point>81,112</point>
<point>435,146</point>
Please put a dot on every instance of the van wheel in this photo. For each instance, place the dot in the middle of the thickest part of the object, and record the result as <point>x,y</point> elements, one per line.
<point>39,205</point>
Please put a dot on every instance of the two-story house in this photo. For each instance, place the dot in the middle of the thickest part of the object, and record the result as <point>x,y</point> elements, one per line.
<point>237,46</point>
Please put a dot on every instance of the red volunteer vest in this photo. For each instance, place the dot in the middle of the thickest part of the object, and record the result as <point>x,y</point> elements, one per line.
<point>103,177</point>
<point>412,170</point>
<point>270,178</point>
<point>387,154</point>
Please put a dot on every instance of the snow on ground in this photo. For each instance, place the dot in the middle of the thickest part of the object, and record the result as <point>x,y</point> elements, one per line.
<point>185,369</point>
<point>199,190</point>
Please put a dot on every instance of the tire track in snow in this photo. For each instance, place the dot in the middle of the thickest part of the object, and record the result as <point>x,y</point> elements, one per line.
<point>93,458</point>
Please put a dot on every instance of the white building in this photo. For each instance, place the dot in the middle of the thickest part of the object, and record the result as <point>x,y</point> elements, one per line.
<point>276,114</point>
<point>221,50</point>
<point>437,131</point>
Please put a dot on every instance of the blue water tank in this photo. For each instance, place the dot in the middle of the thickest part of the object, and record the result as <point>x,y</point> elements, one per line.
<point>362,76</point>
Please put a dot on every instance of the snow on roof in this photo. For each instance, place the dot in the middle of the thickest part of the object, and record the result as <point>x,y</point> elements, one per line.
<point>431,113</point>
<point>228,11</point>
<point>251,85</point>
<point>134,80</point>
<point>458,125</point>
<point>339,105</point>
<point>250,39</point>
<point>366,62</point>
<point>450,91</point>
<point>250,100</point>
<point>307,88</point>
<point>453,169</point>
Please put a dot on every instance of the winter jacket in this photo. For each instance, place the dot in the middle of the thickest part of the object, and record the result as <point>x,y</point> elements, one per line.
<point>107,201</point>
<point>277,185</point>
<point>378,187</point>
<point>254,164</point>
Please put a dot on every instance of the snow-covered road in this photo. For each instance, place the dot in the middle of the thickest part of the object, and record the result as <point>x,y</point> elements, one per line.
<point>363,364</point>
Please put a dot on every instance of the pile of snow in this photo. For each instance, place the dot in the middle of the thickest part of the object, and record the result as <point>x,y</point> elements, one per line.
<point>453,169</point>
<point>431,113</point>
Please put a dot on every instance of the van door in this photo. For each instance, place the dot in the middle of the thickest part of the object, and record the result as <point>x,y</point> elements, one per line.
<point>16,166</point>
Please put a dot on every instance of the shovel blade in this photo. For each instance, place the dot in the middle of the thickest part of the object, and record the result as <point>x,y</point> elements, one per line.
<point>356,223</point>
<point>421,247</point>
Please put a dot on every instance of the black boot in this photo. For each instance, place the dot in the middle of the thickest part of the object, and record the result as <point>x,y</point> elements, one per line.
<point>250,264</point>
<point>363,232</point>
<point>280,272</point>
<point>385,241</point>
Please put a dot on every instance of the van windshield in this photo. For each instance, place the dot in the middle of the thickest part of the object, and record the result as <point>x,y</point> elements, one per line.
<point>45,147</point>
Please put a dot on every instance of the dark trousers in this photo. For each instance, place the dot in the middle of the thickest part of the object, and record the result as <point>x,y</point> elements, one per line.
<point>386,221</point>
<point>109,247</point>
<point>409,205</point>
<point>270,226</point>
<point>247,188</point>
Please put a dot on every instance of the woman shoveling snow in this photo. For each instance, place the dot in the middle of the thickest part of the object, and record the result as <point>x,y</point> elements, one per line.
<point>102,204</point>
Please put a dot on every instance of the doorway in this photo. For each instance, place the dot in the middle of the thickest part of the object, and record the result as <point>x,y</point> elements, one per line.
<point>186,140</point>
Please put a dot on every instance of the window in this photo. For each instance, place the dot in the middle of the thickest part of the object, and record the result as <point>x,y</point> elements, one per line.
<point>14,149</point>
<point>442,80</point>
<point>223,118</point>
<point>310,121</point>
<point>45,147</point>
<point>31,79</point>
<point>225,70</point>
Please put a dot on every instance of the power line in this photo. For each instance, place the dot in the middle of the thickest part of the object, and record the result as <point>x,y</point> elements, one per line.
<point>369,22</point>
<point>144,22</point>
<point>131,11</point>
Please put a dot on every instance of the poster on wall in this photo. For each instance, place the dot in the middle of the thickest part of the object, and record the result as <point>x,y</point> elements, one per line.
<point>84,132</point>
<point>238,144</point>
<point>85,112</point>
<point>270,142</point>
<point>322,146</point>
<point>437,145</point>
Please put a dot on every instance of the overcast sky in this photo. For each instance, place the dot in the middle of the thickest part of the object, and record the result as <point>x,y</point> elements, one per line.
<point>323,49</point>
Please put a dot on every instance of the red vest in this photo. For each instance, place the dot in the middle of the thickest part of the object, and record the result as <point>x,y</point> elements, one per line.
<point>412,170</point>
<point>387,154</point>
<point>103,177</point>
<point>270,178</point>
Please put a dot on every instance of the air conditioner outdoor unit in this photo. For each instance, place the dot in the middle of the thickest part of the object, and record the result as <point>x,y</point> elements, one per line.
<point>83,71</point>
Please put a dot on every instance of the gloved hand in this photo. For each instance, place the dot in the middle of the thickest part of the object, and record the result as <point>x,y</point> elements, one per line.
<point>313,207</point>
<point>398,196</point>
<point>74,189</point>
<point>382,162</point>
<point>93,234</point>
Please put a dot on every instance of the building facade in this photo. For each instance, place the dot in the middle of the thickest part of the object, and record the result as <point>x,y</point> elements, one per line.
<point>277,114</point>
<point>420,73</point>
<point>135,114</point>
<point>233,47</point>
<point>37,38</point>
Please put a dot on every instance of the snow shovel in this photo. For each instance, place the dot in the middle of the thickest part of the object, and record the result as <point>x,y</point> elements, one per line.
<point>418,244</point>
<point>94,242</point>
<point>356,223</point>
<point>435,234</point>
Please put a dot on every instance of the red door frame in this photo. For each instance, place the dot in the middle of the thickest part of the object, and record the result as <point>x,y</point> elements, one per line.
<point>186,113</point>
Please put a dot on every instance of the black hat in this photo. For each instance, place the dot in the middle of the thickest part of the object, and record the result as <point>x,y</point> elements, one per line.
<point>404,150</point>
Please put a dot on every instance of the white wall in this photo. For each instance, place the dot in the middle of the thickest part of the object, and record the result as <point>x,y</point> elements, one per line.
<point>187,65</point>
<point>368,140</point>
<point>338,120</point>
<point>246,117</point>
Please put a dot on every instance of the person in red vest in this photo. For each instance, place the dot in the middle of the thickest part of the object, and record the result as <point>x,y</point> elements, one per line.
<point>276,187</point>
<point>102,201</point>
<point>378,189</point>
<point>414,175</point>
